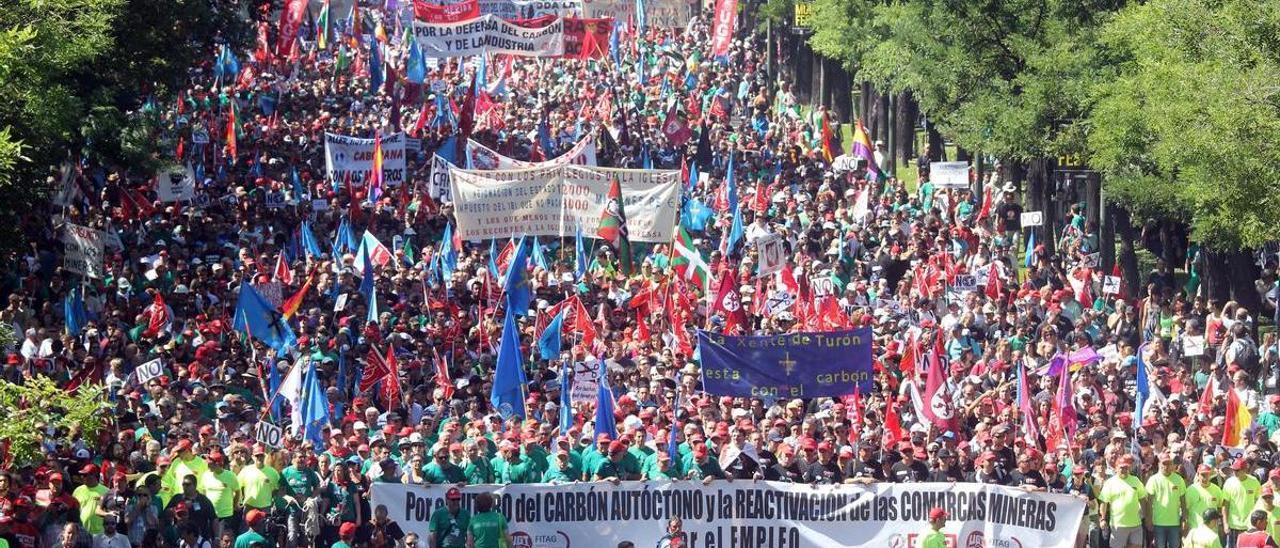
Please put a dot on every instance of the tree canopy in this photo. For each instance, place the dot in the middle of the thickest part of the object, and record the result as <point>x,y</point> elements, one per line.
<point>1175,101</point>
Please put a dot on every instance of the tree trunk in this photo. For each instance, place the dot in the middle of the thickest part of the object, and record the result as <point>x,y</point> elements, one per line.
<point>864,103</point>
<point>937,147</point>
<point>1107,234</point>
<point>1216,277</point>
<point>1127,256</point>
<point>883,122</point>
<point>905,134</point>
<point>1230,275</point>
<point>1039,197</point>
<point>962,154</point>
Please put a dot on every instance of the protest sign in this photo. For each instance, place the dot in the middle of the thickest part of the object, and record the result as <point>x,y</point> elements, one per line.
<point>528,9</point>
<point>586,381</point>
<point>274,199</point>
<point>446,13</point>
<point>1110,285</point>
<point>484,158</point>
<point>554,201</point>
<point>661,14</point>
<point>1192,345</point>
<point>1032,218</point>
<point>762,513</point>
<point>438,186</point>
<point>778,302</point>
<point>772,254</point>
<point>949,174</point>
<point>795,365</point>
<point>176,184</point>
<point>352,157</point>
<point>489,34</point>
<point>84,251</point>
<point>269,434</point>
<point>822,287</point>
<point>151,370</point>
<point>587,38</point>
<point>965,282</point>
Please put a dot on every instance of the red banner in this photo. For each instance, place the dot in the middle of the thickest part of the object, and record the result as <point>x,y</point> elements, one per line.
<point>587,38</point>
<point>722,26</point>
<point>290,19</point>
<point>451,13</point>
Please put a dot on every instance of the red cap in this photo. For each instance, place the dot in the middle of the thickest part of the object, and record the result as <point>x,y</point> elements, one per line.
<point>183,445</point>
<point>617,446</point>
<point>937,513</point>
<point>217,458</point>
<point>1238,464</point>
<point>389,430</point>
<point>699,450</point>
<point>254,517</point>
<point>1204,469</point>
<point>55,477</point>
<point>1275,473</point>
<point>453,494</point>
<point>90,469</point>
<point>824,446</point>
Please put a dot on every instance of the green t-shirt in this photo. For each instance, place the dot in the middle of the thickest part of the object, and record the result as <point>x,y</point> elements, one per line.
<point>435,474</point>
<point>478,471</point>
<point>1200,498</point>
<point>934,539</point>
<point>90,498</point>
<point>1202,537</point>
<point>450,530</point>
<point>1240,496</point>
<point>1124,497</point>
<point>258,485</point>
<point>247,538</point>
<point>488,529</point>
<point>299,483</point>
<point>1166,498</point>
<point>221,489</point>
<point>1268,420</point>
<point>516,472</point>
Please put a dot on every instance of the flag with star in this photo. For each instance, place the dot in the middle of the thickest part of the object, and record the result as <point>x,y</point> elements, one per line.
<point>613,227</point>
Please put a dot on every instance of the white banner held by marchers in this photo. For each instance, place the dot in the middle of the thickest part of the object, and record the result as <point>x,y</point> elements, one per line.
<point>352,157</point>
<point>763,513</point>
<point>553,201</point>
<point>489,34</point>
<point>485,158</point>
<point>949,174</point>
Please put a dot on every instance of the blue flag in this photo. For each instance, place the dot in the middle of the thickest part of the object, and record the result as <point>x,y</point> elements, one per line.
<point>516,284</point>
<point>448,256</point>
<point>1031,249</point>
<point>566,398</point>
<point>367,287</point>
<point>539,260</point>
<point>735,231</point>
<point>693,175</point>
<point>273,387</point>
<point>493,258</point>
<point>549,342</point>
<point>76,313</point>
<point>309,243</point>
<point>344,240</point>
<point>342,375</point>
<point>544,138</point>
<point>731,184</point>
<point>673,443</point>
<point>695,215</point>
<point>416,66</point>
<point>615,51</point>
<point>375,65</point>
<point>256,318</point>
<point>642,20</point>
<point>508,391</point>
<point>606,423</point>
<point>315,409</point>
<point>580,260</point>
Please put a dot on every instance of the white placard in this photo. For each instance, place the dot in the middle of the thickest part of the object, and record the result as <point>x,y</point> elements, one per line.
<point>149,371</point>
<point>949,174</point>
<point>352,158</point>
<point>489,34</point>
<point>965,282</point>
<point>586,381</point>
<point>340,303</point>
<point>1110,285</point>
<point>1192,346</point>
<point>274,199</point>
<point>778,302</point>
<point>176,184</point>
<point>484,158</point>
<point>662,14</point>
<point>269,434</point>
<point>762,513</point>
<point>438,187</point>
<point>84,251</point>
<point>1091,260</point>
<point>554,201</point>
<point>823,287</point>
<point>1032,218</point>
<point>772,254</point>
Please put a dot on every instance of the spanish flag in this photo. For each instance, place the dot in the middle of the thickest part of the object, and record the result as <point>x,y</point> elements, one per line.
<point>1238,419</point>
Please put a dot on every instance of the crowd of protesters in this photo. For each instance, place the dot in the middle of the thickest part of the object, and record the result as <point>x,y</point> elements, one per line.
<point>1041,358</point>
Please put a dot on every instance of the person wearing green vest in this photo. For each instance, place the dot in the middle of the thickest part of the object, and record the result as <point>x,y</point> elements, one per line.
<point>1239,494</point>
<point>449,525</point>
<point>1270,419</point>
<point>89,495</point>
<point>1206,534</point>
<point>258,481</point>
<point>183,462</point>
<point>1166,489</point>
<point>220,486</point>
<point>1121,497</point>
<point>477,470</point>
<point>255,520</point>
<point>488,529</point>
<point>934,538</point>
<point>513,468</point>
<point>1201,495</point>
<point>1271,512</point>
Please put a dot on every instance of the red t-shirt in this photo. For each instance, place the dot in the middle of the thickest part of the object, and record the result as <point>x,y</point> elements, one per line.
<point>1256,539</point>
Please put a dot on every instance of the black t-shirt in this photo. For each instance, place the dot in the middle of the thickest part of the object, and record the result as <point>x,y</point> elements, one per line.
<point>790,474</point>
<point>915,471</point>
<point>870,468</point>
<point>823,473</point>
<point>950,474</point>
<point>1032,478</point>
<point>1010,215</point>
<point>996,477</point>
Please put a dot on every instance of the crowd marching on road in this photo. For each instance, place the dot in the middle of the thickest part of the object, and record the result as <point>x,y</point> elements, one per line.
<point>347,311</point>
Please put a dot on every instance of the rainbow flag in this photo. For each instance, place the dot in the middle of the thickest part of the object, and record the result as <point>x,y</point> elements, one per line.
<point>322,27</point>
<point>862,149</point>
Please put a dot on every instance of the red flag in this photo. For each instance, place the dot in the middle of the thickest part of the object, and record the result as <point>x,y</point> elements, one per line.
<point>1206,397</point>
<point>159,317</point>
<point>986,203</point>
<point>936,407</point>
<point>290,20</point>
<point>88,375</point>
<point>283,273</point>
<point>391,388</point>
<point>675,127</point>
<point>729,304</point>
<point>994,287</point>
<point>448,13</point>
<point>910,361</point>
<point>442,375</point>
<point>723,23</point>
<point>263,52</point>
<point>892,425</point>
<point>375,369</point>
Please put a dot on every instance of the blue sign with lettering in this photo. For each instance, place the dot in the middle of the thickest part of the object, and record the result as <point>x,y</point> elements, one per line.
<point>792,365</point>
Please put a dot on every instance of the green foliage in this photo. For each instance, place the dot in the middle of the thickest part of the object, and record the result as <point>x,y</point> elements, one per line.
<point>41,403</point>
<point>778,12</point>
<point>1189,127</point>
